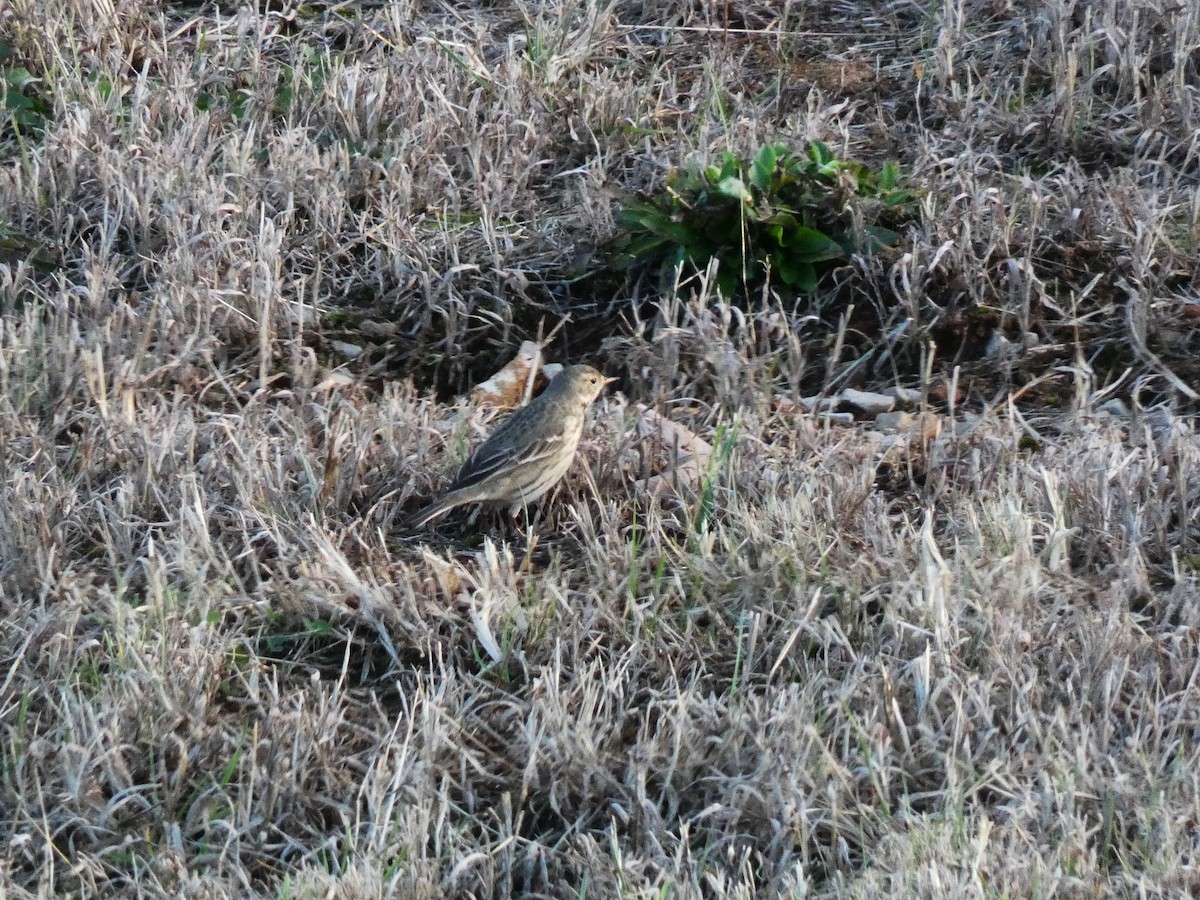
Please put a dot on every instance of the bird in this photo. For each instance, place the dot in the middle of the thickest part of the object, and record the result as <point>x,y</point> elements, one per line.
<point>529,452</point>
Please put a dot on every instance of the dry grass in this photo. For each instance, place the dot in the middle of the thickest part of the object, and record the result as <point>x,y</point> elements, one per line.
<point>228,671</point>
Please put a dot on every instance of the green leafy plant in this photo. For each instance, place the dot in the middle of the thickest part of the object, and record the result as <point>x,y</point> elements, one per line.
<point>304,81</point>
<point>781,218</point>
<point>24,106</point>
<point>17,246</point>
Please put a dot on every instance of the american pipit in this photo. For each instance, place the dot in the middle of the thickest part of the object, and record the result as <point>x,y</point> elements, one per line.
<point>529,452</point>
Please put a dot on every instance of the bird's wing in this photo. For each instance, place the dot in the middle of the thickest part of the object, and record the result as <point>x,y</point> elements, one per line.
<point>492,458</point>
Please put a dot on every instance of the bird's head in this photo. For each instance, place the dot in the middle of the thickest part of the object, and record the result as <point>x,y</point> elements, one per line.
<point>582,381</point>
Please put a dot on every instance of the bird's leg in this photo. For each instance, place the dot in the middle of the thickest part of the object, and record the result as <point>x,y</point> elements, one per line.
<point>537,518</point>
<point>523,525</point>
<point>515,516</point>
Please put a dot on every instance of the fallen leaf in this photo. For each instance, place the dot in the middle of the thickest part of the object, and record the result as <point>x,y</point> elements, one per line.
<point>683,454</point>
<point>336,380</point>
<point>510,388</point>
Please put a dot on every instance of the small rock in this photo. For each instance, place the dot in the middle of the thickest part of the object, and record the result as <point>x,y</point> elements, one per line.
<point>836,418</point>
<point>818,404</point>
<point>1113,409</point>
<point>348,350</point>
<point>998,346</point>
<point>904,396</point>
<point>336,380</point>
<point>380,330</point>
<point>868,402</point>
<point>892,422</point>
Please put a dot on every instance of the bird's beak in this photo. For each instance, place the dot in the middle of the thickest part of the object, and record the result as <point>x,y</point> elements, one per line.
<point>608,381</point>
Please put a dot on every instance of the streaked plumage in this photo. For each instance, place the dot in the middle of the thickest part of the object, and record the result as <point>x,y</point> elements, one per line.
<point>529,452</point>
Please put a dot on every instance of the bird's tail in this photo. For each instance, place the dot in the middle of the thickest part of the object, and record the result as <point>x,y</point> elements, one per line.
<point>437,508</point>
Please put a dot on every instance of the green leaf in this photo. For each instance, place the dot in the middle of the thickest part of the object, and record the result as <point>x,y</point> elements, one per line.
<point>896,198</point>
<point>700,248</point>
<point>810,245</point>
<point>827,165</point>
<point>787,267</point>
<point>634,213</point>
<point>318,627</point>
<point>728,281</point>
<point>889,175</point>
<point>779,226</point>
<point>658,223</point>
<point>806,278</point>
<point>879,237</point>
<point>819,153</point>
<point>735,189</point>
<point>763,168</point>
<point>17,77</point>
<point>641,246</point>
